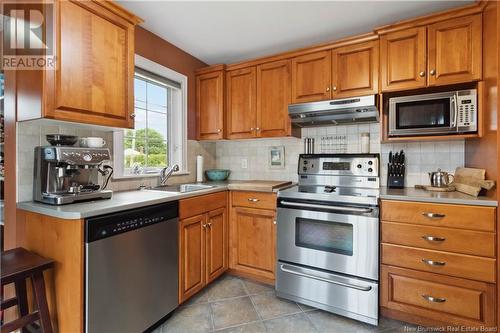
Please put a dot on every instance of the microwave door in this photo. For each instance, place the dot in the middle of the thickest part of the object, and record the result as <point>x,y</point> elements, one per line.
<point>422,116</point>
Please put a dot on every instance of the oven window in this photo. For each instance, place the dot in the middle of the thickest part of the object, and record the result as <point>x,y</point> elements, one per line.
<point>324,236</point>
<point>433,113</point>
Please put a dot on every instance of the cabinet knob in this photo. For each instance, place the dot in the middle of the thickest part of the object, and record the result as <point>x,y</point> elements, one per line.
<point>204,225</point>
<point>251,128</point>
<point>334,88</point>
<point>433,72</point>
<point>219,130</point>
<point>132,116</point>
<point>421,74</point>
<point>327,88</point>
<point>258,128</point>
<point>209,225</point>
<point>274,222</point>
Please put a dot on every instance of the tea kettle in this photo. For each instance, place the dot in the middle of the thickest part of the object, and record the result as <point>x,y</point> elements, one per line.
<point>440,178</point>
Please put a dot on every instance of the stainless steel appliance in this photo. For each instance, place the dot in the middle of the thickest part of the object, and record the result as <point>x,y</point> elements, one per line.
<point>131,280</point>
<point>335,112</point>
<point>328,235</point>
<point>450,112</point>
<point>65,175</point>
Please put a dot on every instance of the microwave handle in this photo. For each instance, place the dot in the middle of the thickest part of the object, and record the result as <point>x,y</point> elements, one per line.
<point>454,110</point>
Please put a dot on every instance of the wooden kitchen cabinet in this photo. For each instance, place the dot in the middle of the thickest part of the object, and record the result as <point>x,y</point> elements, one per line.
<point>355,70</point>
<point>253,235</point>
<point>311,77</point>
<point>191,256</point>
<point>454,50</point>
<point>241,103</point>
<point>442,53</point>
<point>203,242</point>
<point>403,59</point>
<point>273,98</point>
<point>94,79</point>
<point>438,263</point>
<point>210,104</point>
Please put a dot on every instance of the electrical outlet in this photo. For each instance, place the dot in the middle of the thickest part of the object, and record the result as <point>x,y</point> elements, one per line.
<point>244,163</point>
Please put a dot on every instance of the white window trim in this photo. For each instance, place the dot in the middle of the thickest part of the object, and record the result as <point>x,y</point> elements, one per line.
<point>177,155</point>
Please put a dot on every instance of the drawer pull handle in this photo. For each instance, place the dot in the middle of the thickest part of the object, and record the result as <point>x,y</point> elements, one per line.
<point>253,199</point>
<point>434,238</point>
<point>434,299</point>
<point>433,263</point>
<point>433,215</point>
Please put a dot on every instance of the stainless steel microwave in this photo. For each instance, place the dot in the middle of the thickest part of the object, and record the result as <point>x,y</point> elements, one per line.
<point>450,112</point>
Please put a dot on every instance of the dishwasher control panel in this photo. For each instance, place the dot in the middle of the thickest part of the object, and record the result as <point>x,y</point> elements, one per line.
<point>105,226</point>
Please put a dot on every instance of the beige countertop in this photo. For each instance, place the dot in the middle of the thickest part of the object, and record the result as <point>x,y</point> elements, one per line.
<point>140,198</point>
<point>413,194</point>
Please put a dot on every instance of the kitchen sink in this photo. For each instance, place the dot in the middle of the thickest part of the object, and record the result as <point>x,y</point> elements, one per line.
<point>183,188</point>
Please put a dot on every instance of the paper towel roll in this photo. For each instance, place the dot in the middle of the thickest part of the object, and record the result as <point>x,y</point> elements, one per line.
<point>199,168</point>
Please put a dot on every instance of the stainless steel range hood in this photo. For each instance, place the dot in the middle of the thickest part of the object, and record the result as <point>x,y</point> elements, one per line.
<point>335,112</point>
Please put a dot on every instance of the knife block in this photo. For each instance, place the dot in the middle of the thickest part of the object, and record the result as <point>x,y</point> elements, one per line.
<point>396,174</point>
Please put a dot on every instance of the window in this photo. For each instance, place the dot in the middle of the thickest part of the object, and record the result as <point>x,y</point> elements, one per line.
<point>158,138</point>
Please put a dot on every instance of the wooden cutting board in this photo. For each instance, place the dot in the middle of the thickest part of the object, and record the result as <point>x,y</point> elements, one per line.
<point>257,185</point>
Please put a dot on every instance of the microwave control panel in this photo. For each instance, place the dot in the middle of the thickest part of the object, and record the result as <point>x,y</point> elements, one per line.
<point>467,110</point>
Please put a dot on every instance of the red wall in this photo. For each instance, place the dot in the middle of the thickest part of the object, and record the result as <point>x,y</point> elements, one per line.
<point>149,45</point>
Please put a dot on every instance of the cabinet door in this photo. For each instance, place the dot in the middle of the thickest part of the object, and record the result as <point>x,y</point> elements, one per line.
<point>253,235</point>
<point>210,105</point>
<point>403,59</point>
<point>355,70</point>
<point>216,244</point>
<point>311,77</point>
<point>191,256</point>
<point>241,106</point>
<point>95,59</point>
<point>273,98</point>
<point>455,53</point>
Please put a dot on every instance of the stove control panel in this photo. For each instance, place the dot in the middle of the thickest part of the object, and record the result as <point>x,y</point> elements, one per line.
<point>339,164</point>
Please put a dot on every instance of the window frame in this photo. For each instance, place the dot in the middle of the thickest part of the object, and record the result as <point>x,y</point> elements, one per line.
<point>177,124</point>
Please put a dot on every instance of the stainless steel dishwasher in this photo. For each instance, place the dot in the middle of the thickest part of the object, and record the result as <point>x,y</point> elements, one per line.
<point>131,280</point>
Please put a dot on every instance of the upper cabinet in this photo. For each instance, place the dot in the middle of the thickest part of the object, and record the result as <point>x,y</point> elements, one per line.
<point>454,48</point>
<point>273,98</point>
<point>403,59</point>
<point>442,53</point>
<point>355,70</point>
<point>94,80</point>
<point>241,103</point>
<point>210,104</point>
<point>311,77</point>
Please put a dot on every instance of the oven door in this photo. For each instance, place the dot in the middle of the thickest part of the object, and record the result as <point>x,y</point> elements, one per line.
<point>423,114</point>
<point>343,239</point>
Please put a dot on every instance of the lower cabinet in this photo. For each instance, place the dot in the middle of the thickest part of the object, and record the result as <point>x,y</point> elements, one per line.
<point>203,242</point>
<point>253,235</point>
<point>438,264</point>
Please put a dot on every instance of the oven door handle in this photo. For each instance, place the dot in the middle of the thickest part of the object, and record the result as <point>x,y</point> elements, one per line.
<point>319,278</point>
<point>339,208</point>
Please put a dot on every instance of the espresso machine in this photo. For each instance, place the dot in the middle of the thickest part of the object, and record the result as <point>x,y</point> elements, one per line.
<point>65,174</point>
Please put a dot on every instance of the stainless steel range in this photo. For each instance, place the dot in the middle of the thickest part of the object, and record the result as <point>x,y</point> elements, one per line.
<point>328,235</point>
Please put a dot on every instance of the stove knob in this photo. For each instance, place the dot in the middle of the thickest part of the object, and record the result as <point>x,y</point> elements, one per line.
<point>370,162</point>
<point>359,166</point>
<point>87,157</point>
<point>370,170</point>
<point>304,168</point>
<point>305,162</point>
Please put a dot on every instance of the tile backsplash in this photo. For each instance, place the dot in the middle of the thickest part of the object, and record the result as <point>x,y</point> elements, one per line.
<point>32,133</point>
<point>422,157</point>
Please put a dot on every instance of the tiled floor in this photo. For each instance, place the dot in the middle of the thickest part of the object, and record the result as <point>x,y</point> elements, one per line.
<point>236,305</point>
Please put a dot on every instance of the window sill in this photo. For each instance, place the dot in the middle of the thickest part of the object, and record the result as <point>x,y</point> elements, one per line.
<point>149,175</point>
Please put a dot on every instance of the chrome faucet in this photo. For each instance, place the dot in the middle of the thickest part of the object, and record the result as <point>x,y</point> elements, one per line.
<point>166,172</point>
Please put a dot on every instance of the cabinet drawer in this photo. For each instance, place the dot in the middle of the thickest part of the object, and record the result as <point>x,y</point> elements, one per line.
<point>441,299</point>
<point>456,216</point>
<point>254,200</point>
<point>459,265</point>
<point>436,238</point>
<point>201,204</point>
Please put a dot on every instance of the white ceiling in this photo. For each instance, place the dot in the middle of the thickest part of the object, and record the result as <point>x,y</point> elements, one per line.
<point>228,32</point>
